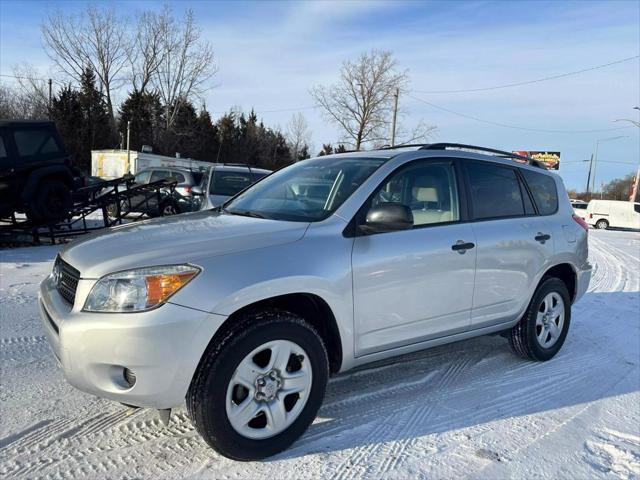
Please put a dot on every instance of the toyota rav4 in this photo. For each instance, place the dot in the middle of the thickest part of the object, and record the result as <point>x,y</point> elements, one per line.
<point>245,310</point>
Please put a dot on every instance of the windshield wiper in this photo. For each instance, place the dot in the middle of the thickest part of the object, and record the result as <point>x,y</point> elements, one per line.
<point>244,213</point>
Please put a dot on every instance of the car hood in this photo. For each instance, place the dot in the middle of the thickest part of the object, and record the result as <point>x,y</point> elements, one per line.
<point>185,238</point>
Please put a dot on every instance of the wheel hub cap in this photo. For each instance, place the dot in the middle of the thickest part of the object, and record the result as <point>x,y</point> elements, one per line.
<point>268,386</point>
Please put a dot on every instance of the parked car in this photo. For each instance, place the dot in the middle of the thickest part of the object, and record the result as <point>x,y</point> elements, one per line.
<point>613,213</point>
<point>224,180</point>
<point>179,201</point>
<point>36,176</point>
<point>246,310</point>
<point>579,208</point>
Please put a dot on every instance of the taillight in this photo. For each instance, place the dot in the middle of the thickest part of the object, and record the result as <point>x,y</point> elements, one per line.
<point>581,222</point>
<point>591,215</point>
<point>187,189</point>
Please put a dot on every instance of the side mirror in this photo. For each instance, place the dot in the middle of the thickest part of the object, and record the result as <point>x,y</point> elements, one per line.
<point>387,217</point>
<point>197,190</point>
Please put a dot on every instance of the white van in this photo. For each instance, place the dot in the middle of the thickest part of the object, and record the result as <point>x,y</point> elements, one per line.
<point>613,213</point>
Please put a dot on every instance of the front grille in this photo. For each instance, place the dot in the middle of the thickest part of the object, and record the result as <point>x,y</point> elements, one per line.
<point>66,280</point>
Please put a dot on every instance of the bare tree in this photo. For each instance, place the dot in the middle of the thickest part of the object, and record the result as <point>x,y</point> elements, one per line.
<point>146,50</point>
<point>360,104</point>
<point>32,92</point>
<point>298,135</point>
<point>420,133</point>
<point>187,63</point>
<point>96,39</point>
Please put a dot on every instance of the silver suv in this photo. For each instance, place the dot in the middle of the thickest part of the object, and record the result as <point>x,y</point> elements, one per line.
<point>323,266</point>
<point>224,180</point>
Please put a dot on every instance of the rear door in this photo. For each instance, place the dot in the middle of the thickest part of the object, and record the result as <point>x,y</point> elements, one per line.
<point>411,285</point>
<point>513,242</point>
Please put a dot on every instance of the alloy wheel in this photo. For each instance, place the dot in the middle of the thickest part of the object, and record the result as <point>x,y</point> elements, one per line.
<point>269,389</point>
<point>550,320</point>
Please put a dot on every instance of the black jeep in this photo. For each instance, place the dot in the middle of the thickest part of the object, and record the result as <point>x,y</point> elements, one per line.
<point>36,176</point>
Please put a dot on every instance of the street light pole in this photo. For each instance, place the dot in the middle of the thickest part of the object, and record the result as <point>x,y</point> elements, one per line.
<point>595,157</point>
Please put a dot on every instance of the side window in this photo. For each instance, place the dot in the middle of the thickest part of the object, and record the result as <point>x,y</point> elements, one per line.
<point>258,176</point>
<point>142,177</point>
<point>159,175</point>
<point>543,189</point>
<point>229,183</point>
<point>3,151</point>
<point>495,191</point>
<point>178,176</point>
<point>636,207</point>
<point>428,189</point>
<point>33,141</point>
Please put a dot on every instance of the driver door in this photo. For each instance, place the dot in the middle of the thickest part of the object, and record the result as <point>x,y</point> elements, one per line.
<point>410,286</point>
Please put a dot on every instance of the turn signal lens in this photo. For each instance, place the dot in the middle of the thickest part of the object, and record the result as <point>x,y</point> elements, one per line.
<point>161,287</point>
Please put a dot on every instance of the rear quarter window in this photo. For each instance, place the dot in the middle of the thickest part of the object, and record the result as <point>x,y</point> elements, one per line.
<point>543,189</point>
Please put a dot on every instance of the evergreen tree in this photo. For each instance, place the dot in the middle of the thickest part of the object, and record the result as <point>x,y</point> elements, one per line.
<point>207,144</point>
<point>144,111</point>
<point>66,112</point>
<point>97,132</point>
<point>327,149</point>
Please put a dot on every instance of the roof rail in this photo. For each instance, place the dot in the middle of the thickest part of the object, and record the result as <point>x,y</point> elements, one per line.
<point>501,153</point>
<point>237,164</point>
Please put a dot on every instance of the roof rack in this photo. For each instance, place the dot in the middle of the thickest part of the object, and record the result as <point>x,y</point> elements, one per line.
<point>501,153</point>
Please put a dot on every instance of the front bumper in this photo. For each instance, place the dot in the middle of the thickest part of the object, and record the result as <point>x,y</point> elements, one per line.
<point>162,347</point>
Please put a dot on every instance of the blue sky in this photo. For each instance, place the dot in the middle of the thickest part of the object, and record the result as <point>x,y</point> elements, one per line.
<point>271,53</point>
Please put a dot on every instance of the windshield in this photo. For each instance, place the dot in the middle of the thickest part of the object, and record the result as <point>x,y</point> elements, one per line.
<point>307,191</point>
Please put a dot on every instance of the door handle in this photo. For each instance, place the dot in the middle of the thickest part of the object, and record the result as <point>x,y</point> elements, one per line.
<point>542,237</point>
<point>461,246</point>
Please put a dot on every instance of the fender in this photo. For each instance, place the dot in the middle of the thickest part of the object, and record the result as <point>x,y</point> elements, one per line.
<point>34,179</point>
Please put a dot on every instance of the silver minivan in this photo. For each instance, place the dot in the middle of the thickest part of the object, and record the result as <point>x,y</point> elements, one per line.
<point>325,265</point>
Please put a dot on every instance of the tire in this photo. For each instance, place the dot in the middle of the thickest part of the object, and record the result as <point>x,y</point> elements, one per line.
<point>602,224</point>
<point>112,209</point>
<point>528,339</point>
<point>213,390</point>
<point>168,208</point>
<point>52,201</point>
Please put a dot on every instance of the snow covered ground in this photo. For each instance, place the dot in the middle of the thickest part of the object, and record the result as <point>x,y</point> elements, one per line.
<point>467,410</point>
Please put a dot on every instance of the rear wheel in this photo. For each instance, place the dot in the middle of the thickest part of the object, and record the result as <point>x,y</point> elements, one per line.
<point>542,330</point>
<point>602,224</point>
<point>52,201</point>
<point>169,208</point>
<point>258,389</point>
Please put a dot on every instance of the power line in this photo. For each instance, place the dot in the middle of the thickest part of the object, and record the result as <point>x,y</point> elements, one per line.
<point>529,82</point>
<point>33,79</point>
<point>514,127</point>
<point>296,109</point>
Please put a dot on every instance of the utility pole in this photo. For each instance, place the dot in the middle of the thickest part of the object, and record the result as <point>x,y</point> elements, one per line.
<point>589,176</point>
<point>128,150</point>
<point>395,114</point>
<point>50,82</point>
<point>595,164</point>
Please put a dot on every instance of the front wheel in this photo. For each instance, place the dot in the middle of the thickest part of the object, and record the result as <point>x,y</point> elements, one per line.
<point>259,387</point>
<point>540,333</point>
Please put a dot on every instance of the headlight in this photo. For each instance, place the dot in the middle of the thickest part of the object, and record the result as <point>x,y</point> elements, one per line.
<point>139,289</point>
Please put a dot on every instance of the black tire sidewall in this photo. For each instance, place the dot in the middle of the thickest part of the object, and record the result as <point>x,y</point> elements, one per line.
<point>41,207</point>
<point>219,432</point>
<point>168,204</point>
<point>547,286</point>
